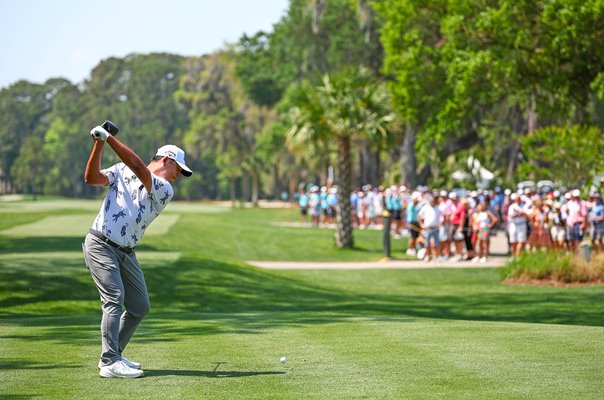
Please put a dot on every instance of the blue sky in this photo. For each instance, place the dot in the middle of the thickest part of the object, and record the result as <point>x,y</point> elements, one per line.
<point>41,39</point>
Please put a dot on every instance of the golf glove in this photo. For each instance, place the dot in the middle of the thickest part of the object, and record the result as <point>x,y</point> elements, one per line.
<point>99,133</point>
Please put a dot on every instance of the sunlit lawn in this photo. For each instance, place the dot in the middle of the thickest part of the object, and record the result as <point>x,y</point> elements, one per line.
<point>218,327</point>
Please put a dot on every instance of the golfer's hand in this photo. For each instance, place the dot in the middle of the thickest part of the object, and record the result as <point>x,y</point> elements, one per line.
<point>99,133</point>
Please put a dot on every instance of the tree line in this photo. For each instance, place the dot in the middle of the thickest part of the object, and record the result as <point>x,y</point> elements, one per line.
<point>385,91</point>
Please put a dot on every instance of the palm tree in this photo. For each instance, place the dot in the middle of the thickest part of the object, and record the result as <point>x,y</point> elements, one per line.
<point>345,106</point>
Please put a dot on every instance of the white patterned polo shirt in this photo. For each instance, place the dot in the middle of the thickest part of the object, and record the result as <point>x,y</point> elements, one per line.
<point>128,209</point>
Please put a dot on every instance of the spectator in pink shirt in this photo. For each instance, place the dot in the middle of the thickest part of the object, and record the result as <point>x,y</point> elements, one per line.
<point>576,210</point>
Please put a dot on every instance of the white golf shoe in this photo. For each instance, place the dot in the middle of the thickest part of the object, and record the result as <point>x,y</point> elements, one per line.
<point>119,369</point>
<point>131,364</point>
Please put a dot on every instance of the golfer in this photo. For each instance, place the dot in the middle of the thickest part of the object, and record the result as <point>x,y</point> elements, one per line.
<point>136,194</point>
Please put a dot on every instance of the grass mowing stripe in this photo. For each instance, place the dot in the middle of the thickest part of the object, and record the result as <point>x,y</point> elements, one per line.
<point>33,361</point>
<point>204,357</point>
<point>497,360</point>
<point>314,367</point>
<point>78,225</point>
<point>529,352</point>
<point>354,365</point>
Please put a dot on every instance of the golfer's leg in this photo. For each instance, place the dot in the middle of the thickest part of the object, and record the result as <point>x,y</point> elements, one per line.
<point>136,299</point>
<point>103,263</point>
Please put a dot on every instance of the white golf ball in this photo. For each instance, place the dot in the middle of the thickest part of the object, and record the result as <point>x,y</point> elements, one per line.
<point>283,360</point>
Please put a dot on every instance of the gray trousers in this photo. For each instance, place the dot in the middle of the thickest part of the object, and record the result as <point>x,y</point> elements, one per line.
<point>121,284</point>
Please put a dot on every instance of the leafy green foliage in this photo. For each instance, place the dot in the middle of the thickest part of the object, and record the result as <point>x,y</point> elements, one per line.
<point>490,70</point>
<point>29,170</point>
<point>572,155</point>
<point>23,107</point>
<point>465,78</point>
<point>257,70</point>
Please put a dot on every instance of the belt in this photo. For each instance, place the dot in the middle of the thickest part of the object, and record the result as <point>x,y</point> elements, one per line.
<point>99,235</point>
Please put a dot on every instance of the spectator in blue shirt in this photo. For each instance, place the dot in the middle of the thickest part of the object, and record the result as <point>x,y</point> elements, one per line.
<point>596,220</point>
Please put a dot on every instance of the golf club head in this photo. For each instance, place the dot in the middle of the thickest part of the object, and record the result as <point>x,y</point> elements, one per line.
<point>110,127</point>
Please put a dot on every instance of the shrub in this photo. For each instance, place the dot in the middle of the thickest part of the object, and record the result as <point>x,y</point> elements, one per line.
<point>553,267</point>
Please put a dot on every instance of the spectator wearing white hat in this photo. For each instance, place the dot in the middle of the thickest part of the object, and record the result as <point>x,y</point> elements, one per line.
<point>314,205</point>
<point>557,226</point>
<point>517,225</point>
<point>370,213</point>
<point>378,206</point>
<point>429,218</point>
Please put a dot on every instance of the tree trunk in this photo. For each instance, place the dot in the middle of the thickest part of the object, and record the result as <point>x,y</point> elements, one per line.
<point>232,189</point>
<point>317,14</point>
<point>377,178</point>
<point>408,161</point>
<point>245,188</point>
<point>531,116</point>
<point>255,188</point>
<point>514,146</point>
<point>344,237</point>
<point>276,183</point>
<point>370,165</point>
<point>292,185</point>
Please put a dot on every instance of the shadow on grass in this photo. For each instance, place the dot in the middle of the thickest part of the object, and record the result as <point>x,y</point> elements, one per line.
<point>20,364</point>
<point>208,374</point>
<point>209,286</point>
<point>194,288</point>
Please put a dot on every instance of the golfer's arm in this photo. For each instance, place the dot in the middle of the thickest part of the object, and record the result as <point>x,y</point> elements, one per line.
<point>93,175</point>
<point>132,160</point>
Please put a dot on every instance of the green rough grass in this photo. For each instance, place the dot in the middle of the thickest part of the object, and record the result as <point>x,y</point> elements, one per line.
<point>218,327</point>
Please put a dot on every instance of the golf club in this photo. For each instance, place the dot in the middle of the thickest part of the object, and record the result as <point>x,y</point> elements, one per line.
<point>110,127</point>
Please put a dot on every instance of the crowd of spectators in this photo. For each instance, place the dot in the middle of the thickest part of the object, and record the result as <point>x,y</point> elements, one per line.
<point>457,225</point>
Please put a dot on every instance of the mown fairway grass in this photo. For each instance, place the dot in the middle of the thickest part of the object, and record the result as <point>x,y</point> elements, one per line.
<point>218,327</point>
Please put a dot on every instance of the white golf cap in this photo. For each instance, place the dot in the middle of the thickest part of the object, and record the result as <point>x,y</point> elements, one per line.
<point>177,154</point>
<point>576,193</point>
